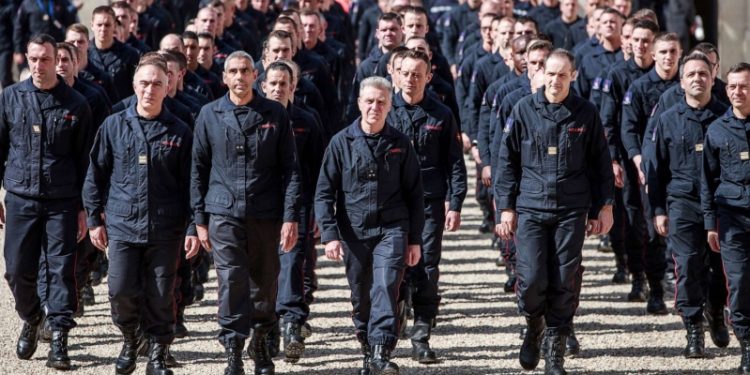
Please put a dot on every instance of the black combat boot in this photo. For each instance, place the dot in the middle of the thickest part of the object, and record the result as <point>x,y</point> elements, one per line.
<point>57,357</point>
<point>169,359</point>
<point>87,295</point>
<point>381,364</point>
<point>260,354</point>
<point>133,345</point>
<point>716,327</point>
<point>273,340</point>
<point>695,339</point>
<point>510,284</point>
<point>294,343</point>
<point>27,340</point>
<point>655,304</point>
<point>554,353</point>
<point>156,360</point>
<point>621,275</point>
<point>233,349</point>
<point>420,342</point>
<point>180,331</point>
<point>572,346</point>
<point>638,291</point>
<point>366,353</point>
<point>745,361</point>
<point>532,343</point>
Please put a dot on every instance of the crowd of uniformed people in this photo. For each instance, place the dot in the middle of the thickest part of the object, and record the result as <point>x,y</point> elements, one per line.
<point>173,136</point>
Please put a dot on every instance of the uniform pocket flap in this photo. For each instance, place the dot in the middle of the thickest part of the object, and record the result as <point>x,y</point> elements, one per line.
<point>529,185</point>
<point>729,191</point>
<point>219,198</point>
<point>119,208</point>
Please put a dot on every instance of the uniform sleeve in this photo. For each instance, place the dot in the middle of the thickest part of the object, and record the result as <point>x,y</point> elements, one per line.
<point>484,137</point>
<point>600,174</point>
<point>462,88</point>
<point>474,102</point>
<point>83,140</point>
<point>450,39</point>
<point>659,174</point>
<point>326,193</point>
<point>632,115</point>
<point>609,111</point>
<point>4,136</point>
<point>290,170</point>
<point>186,158</point>
<point>582,84</point>
<point>20,30</point>
<point>97,177</point>
<point>710,179</point>
<point>200,171</point>
<point>454,165</point>
<point>352,110</point>
<point>411,186</point>
<point>508,176</point>
<point>647,143</point>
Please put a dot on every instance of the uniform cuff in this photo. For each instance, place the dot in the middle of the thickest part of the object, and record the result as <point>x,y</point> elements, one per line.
<point>329,235</point>
<point>455,205</point>
<point>201,218</point>
<point>191,231</point>
<point>94,221</point>
<point>709,222</point>
<point>415,239</point>
<point>633,152</point>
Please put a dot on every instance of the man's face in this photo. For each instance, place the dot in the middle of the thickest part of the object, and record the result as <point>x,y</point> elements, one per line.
<point>191,50</point>
<point>279,48</point>
<point>667,55</point>
<point>527,28</point>
<point>414,76</point>
<point>569,8</point>
<point>123,15</point>
<point>66,65</point>
<point>42,62</point>
<point>558,74</point>
<point>150,86</point>
<point>205,22</point>
<point>219,11</point>
<point>80,40</point>
<point>592,24</point>
<point>394,69</point>
<point>420,45</point>
<point>485,28</point>
<point>503,32</point>
<point>590,6</point>
<point>311,29</point>
<point>374,105</point>
<point>239,76</point>
<point>174,77</point>
<point>738,89</point>
<point>104,28</point>
<point>415,25</point>
<point>519,55</point>
<point>172,43</point>
<point>259,5</point>
<point>133,25</point>
<point>626,35</point>
<point>205,51</point>
<point>535,60</point>
<point>389,34</point>
<point>277,86</point>
<point>696,78</point>
<point>309,4</point>
<point>714,59</point>
<point>288,28</point>
<point>506,8</point>
<point>641,42</point>
<point>610,26</point>
<point>623,6</point>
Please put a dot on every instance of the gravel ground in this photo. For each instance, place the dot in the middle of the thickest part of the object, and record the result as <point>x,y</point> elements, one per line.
<point>477,333</point>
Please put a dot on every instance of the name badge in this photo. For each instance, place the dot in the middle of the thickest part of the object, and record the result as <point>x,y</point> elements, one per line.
<point>142,160</point>
<point>36,128</point>
<point>699,147</point>
<point>552,150</point>
<point>744,155</point>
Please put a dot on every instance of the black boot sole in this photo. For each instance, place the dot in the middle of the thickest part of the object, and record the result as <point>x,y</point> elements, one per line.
<point>59,365</point>
<point>293,352</point>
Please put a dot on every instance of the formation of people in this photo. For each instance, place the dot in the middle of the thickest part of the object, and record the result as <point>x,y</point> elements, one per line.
<point>236,135</point>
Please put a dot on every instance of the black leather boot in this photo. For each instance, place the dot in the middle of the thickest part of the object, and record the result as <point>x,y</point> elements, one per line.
<point>716,327</point>
<point>510,284</point>
<point>403,318</point>
<point>57,357</point>
<point>745,361</point>
<point>169,359</point>
<point>294,343</point>
<point>532,343</point>
<point>87,295</point>
<point>260,354</point>
<point>554,353</point>
<point>180,331</point>
<point>638,291</point>
<point>655,304</point>
<point>273,340</point>
<point>156,364</point>
<point>45,330</point>
<point>572,346</point>
<point>366,353</point>
<point>420,343</point>
<point>620,276</point>
<point>133,345</point>
<point>233,349</point>
<point>27,340</point>
<point>695,339</point>
<point>381,364</point>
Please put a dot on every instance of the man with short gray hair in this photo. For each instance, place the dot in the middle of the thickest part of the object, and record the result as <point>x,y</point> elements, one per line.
<point>369,205</point>
<point>245,183</point>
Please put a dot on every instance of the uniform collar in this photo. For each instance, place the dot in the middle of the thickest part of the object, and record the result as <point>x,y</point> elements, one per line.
<point>654,77</point>
<point>426,103</point>
<point>28,86</point>
<point>164,116</point>
<point>258,104</point>
<point>568,106</point>
<point>355,130</point>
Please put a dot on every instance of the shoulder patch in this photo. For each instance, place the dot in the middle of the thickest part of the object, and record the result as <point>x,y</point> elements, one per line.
<point>597,83</point>
<point>653,110</point>
<point>473,77</point>
<point>508,125</point>
<point>628,98</point>
<point>606,85</point>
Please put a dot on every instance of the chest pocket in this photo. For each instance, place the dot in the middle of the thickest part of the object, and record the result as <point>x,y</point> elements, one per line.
<point>124,161</point>
<point>60,132</point>
<point>575,149</point>
<point>530,149</point>
<point>263,144</point>
<point>166,151</point>
<point>731,160</point>
<point>429,141</point>
<point>392,163</point>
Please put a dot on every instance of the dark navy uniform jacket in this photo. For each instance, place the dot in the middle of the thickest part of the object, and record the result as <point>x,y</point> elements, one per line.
<point>367,68</point>
<point>44,145</point>
<point>590,67</point>
<point>311,144</point>
<point>637,105</point>
<point>678,153</point>
<point>463,85</point>
<point>139,178</point>
<point>244,169</point>
<point>543,14</point>
<point>501,112</point>
<point>119,62</point>
<point>613,92</point>
<point>486,71</point>
<point>584,48</point>
<point>98,104</point>
<point>373,191</point>
<point>175,108</point>
<point>434,135</point>
<point>566,35</point>
<point>552,157</point>
<point>367,27</point>
<point>31,19</point>
<point>456,20</point>
<point>100,79</point>
<point>490,111</point>
<point>725,178</point>
<point>194,83</point>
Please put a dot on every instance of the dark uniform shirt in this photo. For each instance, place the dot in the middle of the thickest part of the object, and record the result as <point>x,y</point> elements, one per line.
<point>590,67</point>
<point>45,137</point>
<point>139,178</point>
<point>373,190</point>
<point>553,157</point>
<point>487,70</point>
<point>119,62</point>
<point>543,14</point>
<point>41,17</point>
<point>245,168</point>
<point>310,141</point>
<point>456,20</point>
<point>175,108</point>
<point>566,35</point>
